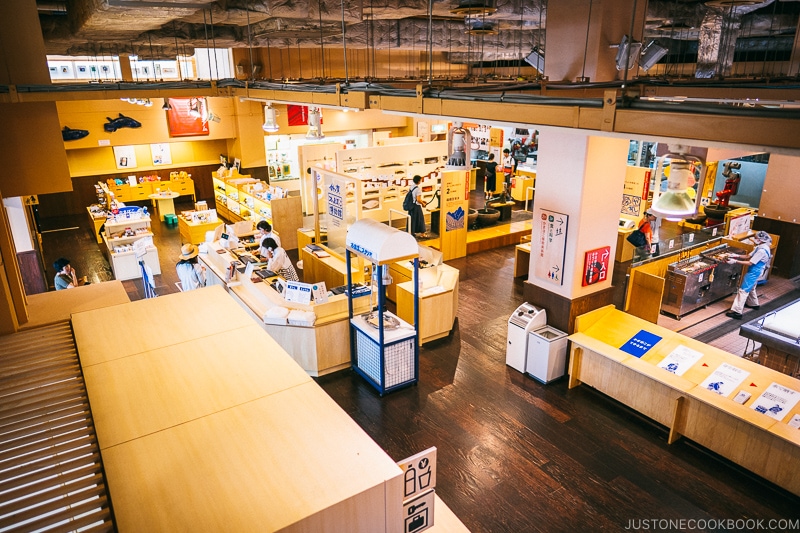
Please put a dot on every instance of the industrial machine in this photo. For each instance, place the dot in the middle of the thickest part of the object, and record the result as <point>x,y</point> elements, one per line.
<point>547,354</point>
<point>726,276</point>
<point>688,285</point>
<point>523,320</point>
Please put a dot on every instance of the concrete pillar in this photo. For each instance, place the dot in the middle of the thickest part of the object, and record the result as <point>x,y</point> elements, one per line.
<point>581,177</point>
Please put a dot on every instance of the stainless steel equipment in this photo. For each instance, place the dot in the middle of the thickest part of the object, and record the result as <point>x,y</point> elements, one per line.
<point>523,320</point>
<point>726,276</point>
<point>547,354</point>
<point>688,285</point>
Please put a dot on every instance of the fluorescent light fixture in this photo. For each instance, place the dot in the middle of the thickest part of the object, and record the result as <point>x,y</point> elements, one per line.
<point>651,55</point>
<point>314,124</point>
<point>536,59</point>
<point>627,52</point>
<point>270,120</point>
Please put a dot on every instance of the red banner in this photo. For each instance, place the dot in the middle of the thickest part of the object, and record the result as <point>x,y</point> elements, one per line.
<point>298,115</point>
<point>595,266</point>
<point>188,117</point>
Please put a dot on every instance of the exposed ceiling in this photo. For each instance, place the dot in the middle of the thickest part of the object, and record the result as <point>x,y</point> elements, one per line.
<point>164,28</point>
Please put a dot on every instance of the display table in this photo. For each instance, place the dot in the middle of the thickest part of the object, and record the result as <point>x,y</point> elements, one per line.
<point>522,259</point>
<point>205,423</point>
<point>779,335</point>
<point>319,349</point>
<point>97,223</point>
<point>522,187</point>
<point>163,203</point>
<point>685,403</point>
<point>195,232</point>
<point>332,270</point>
<point>438,300</point>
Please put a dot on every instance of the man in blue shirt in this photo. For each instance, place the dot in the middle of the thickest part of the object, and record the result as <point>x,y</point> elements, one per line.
<point>756,262</point>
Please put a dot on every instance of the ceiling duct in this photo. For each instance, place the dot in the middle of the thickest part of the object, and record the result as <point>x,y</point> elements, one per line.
<point>480,27</point>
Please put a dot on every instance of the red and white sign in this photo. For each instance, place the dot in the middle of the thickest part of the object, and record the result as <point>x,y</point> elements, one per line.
<point>595,266</point>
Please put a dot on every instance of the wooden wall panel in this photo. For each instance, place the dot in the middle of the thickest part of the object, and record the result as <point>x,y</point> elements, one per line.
<point>31,270</point>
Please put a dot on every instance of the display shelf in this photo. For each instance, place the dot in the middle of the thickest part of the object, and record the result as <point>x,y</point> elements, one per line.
<point>119,247</point>
<point>142,191</point>
<point>240,198</point>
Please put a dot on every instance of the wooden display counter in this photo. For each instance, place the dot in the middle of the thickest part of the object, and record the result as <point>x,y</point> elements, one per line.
<point>438,300</point>
<point>332,270</point>
<point>97,223</point>
<point>625,249</point>
<point>522,259</point>
<point>687,404</point>
<point>205,423</point>
<point>195,232</point>
<point>319,349</point>
<point>522,186</point>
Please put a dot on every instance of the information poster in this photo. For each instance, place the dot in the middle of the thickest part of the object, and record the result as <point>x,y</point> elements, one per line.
<point>679,360</point>
<point>636,187</point>
<point>454,197</point>
<point>640,344</point>
<point>776,401</point>
<point>552,246</point>
<point>125,156</point>
<point>297,292</point>
<point>162,155</point>
<point>725,379</point>
<point>595,266</point>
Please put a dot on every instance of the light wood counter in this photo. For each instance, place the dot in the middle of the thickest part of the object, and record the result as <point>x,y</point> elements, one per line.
<point>332,270</point>
<point>195,233</point>
<point>522,259</point>
<point>319,349</point>
<point>438,301</point>
<point>220,431</point>
<point>55,306</point>
<point>97,223</point>
<point>764,445</point>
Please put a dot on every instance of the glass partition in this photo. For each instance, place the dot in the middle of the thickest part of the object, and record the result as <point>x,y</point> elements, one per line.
<point>679,243</point>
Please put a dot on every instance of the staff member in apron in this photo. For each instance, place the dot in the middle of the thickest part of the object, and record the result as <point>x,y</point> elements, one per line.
<point>756,262</point>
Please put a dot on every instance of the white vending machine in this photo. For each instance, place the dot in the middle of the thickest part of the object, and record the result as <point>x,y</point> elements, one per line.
<point>547,354</point>
<point>523,320</point>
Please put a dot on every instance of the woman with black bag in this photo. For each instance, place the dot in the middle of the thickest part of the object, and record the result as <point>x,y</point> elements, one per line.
<point>642,237</point>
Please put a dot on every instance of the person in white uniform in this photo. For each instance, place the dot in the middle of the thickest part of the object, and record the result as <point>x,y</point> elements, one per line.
<point>191,274</point>
<point>264,232</point>
<point>756,262</point>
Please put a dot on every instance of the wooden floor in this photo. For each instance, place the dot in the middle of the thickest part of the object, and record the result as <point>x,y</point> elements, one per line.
<point>515,455</point>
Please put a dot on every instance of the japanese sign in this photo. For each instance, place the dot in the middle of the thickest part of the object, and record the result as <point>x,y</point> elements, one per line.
<point>640,343</point>
<point>776,401</point>
<point>336,195</point>
<point>552,246</point>
<point>419,483</point>
<point>453,199</point>
<point>595,266</point>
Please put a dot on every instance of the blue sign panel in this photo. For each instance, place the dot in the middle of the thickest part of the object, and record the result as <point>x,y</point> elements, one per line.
<point>640,343</point>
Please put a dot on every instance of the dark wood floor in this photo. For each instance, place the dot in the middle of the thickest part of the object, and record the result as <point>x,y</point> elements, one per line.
<point>513,455</point>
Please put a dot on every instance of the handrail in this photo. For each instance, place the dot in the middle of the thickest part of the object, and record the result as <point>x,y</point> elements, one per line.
<point>532,189</point>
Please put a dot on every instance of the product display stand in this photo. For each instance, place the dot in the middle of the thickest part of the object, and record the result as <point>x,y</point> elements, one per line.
<point>121,235</point>
<point>384,348</point>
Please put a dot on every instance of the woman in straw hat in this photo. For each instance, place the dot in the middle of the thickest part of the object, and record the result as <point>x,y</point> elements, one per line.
<point>191,274</point>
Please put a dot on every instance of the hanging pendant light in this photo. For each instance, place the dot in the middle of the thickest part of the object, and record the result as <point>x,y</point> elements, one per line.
<point>195,108</point>
<point>167,106</point>
<point>270,120</point>
<point>680,200</point>
<point>314,124</point>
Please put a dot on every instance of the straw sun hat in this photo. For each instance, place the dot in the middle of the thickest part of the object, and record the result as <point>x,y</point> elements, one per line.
<point>187,252</point>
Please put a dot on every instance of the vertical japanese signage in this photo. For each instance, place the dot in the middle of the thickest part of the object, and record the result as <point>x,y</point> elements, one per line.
<point>336,194</point>
<point>552,246</point>
<point>595,266</point>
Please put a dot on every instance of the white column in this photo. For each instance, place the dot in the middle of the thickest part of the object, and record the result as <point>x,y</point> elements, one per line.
<point>583,177</point>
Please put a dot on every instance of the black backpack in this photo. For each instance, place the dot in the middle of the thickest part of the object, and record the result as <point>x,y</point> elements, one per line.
<point>408,201</point>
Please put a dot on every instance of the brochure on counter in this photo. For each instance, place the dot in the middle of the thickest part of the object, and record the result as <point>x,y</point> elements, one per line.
<point>776,401</point>
<point>679,360</point>
<point>725,379</point>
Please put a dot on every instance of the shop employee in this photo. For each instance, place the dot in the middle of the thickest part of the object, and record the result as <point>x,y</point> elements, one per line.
<point>756,262</point>
<point>265,232</point>
<point>278,261</point>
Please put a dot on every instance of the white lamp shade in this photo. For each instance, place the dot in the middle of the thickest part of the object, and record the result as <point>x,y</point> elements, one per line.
<point>677,202</point>
<point>314,124</point>
<point>270,119</point>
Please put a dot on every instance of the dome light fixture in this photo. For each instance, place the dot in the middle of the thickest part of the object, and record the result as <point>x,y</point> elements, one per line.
<point>680,200</point>
<point>167,106</point>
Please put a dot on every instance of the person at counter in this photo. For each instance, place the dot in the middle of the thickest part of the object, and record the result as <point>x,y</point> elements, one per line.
<point>508,165</point>
<point>278,261</point>
<point>756,262</point>
<point>265,231</point>
<point>191,274</point>
<point>65,275</point>
<point>646,226</point>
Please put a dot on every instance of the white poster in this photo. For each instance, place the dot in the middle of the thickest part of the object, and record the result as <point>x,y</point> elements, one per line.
<point>125,156</point>
<point>725,379</point>
<point>162,155</point>
<point>297,292</point>
<point>552,246</point>
<point>776,401</point>
<point>679,360</point>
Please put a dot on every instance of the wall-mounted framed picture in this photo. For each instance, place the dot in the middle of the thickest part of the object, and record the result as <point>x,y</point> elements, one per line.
<point>125,156</point>
<point>188,117</point>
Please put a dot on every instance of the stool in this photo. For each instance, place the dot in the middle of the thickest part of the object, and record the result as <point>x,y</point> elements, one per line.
<point>171,219</point>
